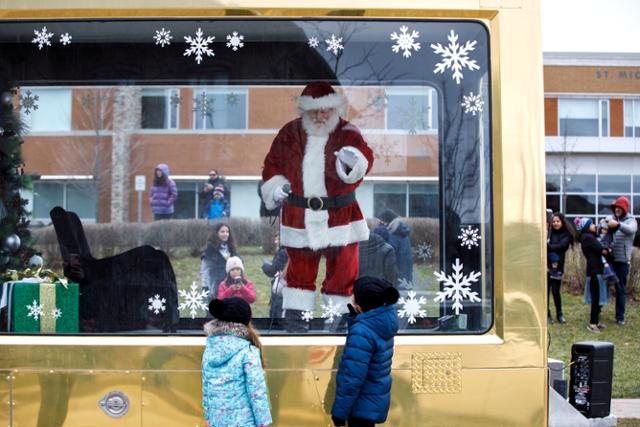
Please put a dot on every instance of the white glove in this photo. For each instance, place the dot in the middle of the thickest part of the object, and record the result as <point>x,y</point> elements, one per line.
<point>348,156</point>
<point>279,194</point>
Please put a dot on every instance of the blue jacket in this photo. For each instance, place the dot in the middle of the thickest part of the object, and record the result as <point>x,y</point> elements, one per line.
<point>363,383</point>
<point>399,239</point>
<point>234,392</point>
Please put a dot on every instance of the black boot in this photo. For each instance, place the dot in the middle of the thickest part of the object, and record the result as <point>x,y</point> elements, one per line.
<point>294,323</point>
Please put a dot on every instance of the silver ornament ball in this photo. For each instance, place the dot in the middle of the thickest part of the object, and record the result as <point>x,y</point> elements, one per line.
<point>36,261</point>
<point>12,243</point>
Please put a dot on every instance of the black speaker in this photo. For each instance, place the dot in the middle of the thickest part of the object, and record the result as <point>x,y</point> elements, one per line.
<point>590,378</point>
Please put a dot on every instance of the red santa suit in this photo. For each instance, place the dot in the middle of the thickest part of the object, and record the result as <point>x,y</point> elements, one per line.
<point>326,220</point>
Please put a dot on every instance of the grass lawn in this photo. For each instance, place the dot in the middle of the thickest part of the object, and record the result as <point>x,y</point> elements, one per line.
<point>626,341</point>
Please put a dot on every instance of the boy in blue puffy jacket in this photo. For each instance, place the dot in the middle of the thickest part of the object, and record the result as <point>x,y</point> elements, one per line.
<point>363,383</point>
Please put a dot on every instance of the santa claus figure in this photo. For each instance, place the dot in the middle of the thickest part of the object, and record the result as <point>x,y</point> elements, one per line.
<point>313,168</point>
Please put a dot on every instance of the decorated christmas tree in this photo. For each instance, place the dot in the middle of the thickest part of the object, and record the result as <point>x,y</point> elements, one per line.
<point>15,238</point>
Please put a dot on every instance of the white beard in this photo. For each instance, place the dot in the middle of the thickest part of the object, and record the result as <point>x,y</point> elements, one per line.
<point>322,129</point>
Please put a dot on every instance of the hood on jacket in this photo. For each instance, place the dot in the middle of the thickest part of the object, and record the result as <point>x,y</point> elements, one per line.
<point>164,168</point>
<point>225,340</point>
<point>399,228</point>
<point>622,203</point>
<point>383,321</point>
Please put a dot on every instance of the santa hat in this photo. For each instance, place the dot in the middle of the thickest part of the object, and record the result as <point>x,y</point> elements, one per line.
<point>234,262</point>
<point>318,95</point>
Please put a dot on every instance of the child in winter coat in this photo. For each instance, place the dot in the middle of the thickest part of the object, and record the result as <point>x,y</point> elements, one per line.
<point>363,382</point>
<point>218,208</point>
<point>236,284</point>
<point>234,392</point>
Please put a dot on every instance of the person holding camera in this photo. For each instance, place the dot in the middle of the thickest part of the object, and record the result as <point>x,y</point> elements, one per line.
<point>236,284</point>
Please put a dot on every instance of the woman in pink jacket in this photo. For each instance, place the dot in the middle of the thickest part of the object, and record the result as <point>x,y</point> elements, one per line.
<point>236,284</point>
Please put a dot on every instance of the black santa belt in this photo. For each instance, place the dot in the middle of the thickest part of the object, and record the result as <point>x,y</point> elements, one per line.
<point>321,203</point>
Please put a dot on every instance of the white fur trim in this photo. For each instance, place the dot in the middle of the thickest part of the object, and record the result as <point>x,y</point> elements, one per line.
<point>341,235</point>
<point>339,301</point>
<point>313,173</point>
<point>298,299</point>
<point>334,100</point>
<point>358,171</point>
<point>269,188</point>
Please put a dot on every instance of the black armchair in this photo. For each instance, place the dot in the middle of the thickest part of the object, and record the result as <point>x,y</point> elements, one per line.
<point>117,293</point>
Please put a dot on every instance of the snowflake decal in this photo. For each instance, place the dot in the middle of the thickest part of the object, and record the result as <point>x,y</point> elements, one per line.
<point>405,41</point>
<point>414,116</point>
<point>235,41</point>
<point>412,307</point>
<point>56,313</point>
<point>204,104</point>
<point>404,284</point>
<point>199,46</point>
<point>193,300</point>
<point>455,57</point>
<point>334,44</point>
<point>307,315</point>
<point>457,286</point>
<point>175,99</point>
<point>424,252</point>
<point>232,99</point>
<point>42,38</point>
<point>35,310</point>
<point>29,102</point>
<point>313,42</point>
<point>65,39</point>
<point>330,311</point>
<point>157,304</point>
<point>163,37</point>
<point>469,237</point>
<point>472,103</point>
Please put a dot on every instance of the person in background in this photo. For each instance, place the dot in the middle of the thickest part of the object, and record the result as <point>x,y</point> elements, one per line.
<point>213,261</point>
<point>234,390</point>
<point>275,269</point>
<point>206,193</point>
<point>593,252</point>
<point>218,208</point>
<point>558,242</point>
<point>400,241</point>
<point>363,381</point>
<point>163,194</point>
<point>624,228</point>
<point>377,259</point>
<point>236,284</point>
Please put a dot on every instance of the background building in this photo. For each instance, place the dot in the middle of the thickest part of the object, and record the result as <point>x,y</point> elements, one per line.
<point>592,128</point>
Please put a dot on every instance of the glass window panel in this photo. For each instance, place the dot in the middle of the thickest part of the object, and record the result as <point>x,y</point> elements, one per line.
<point>578,117</point>
<point>553,183</point>
<point>185,206</point>
<point>46,196</point>
<point>53,113</point>
<point>628,117</point>
<point>581,183</point>
<point>553,203</point>
<point>604,116</point>
<point>81,199</point>
<point>604,203</point>
<point>423,200</point>
<point>636,204</point>
<point>390,196</point>
<point>581,205</point>
<point>614,183</point>
<point>438,179</point>
<point>636,184</point>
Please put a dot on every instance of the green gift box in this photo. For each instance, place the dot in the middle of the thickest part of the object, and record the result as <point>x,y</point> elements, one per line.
<point>42,307</point>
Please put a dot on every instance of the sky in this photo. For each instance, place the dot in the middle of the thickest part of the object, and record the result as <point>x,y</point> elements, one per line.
<point>591,25</point>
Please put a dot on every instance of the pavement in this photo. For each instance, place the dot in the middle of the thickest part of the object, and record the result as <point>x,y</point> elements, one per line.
<point>625,408</point>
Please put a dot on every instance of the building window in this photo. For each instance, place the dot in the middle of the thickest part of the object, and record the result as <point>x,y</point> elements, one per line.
<point>581,204</point>
<point>412,109</point>
<point>636,197</point>
<point>418,199</point>
<point>53,113</point>
<point>187,203</point>
<point>160,108</point>
<point>632,118</point>
<point>581,184</point>
<point>583,117</point>
<point>220,108</point>
<point>553,202</point>
<point>423,200</point>
<point>390,196</point>
<point>77,196</point>
<point>614,184</point>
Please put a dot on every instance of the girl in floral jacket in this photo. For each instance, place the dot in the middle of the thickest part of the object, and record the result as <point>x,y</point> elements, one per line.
<point>234,392</point>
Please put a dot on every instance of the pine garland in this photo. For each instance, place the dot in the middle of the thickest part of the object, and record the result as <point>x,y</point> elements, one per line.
<point>13,213</point>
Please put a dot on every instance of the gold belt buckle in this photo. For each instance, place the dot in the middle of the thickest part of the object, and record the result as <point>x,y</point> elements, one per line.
<point>311,199</point>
